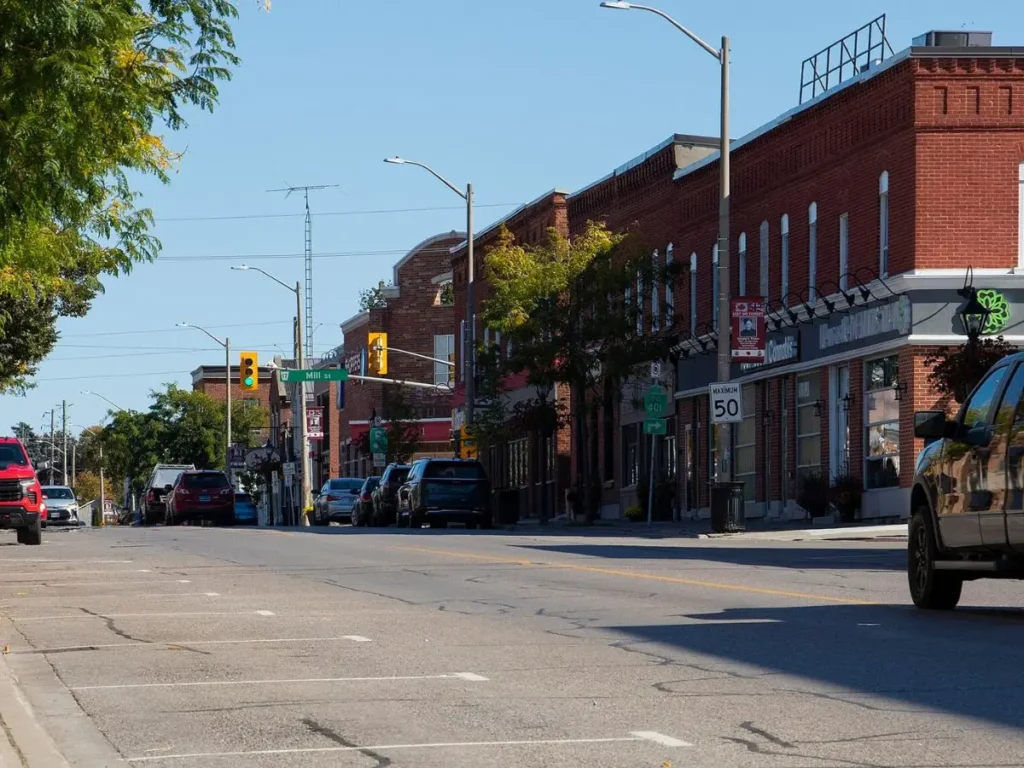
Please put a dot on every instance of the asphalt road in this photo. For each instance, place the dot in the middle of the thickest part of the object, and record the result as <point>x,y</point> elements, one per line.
<point>206,647</point>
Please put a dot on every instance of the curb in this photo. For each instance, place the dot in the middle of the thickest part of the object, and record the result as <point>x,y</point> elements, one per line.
<point>41,717</point>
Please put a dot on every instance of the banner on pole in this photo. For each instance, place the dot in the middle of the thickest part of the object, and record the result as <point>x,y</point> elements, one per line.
<point>748,330</point>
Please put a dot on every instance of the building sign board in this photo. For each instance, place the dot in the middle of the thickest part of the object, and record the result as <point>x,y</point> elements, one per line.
<point>777,352</point>
<point>748,329</point>
<point>867,323</point>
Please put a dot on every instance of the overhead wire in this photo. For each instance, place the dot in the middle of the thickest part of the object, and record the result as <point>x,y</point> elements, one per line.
<point>369,212</point>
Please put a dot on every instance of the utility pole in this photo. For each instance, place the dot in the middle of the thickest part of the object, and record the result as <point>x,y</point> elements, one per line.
<point>64,432</point>
<point>300,355</point>
<point>470,311</point>
<point>53,445</point>
<point>227,372</point>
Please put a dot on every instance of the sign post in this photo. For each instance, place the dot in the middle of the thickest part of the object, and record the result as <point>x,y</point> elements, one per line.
<point>655,406</point>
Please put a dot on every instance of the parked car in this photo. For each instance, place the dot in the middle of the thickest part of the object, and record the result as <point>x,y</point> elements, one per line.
<point>336,499</point>
<point>21,496</point>
<point>385,495</point>
<point>442,491</point>
<point>61,505</point>
<point>201,495</point>
<point>245,510</point>
<point>161,481</point>
<point>967,503</point>
<point>362,511</point>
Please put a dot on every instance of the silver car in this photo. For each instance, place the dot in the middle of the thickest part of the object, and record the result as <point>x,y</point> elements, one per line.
<point>61,505</point>
<point>336,499</point>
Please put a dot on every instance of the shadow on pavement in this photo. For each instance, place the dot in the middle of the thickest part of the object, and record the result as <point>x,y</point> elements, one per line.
<point>967,662</point>
<point>800,558</point>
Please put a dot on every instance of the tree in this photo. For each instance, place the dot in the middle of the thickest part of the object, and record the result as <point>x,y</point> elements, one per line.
<point>571,309</point>
<point>956,371</point>
<point>87,487</point>
<point>399,415</point>
<point>373,298</point>
<point>84,85</point>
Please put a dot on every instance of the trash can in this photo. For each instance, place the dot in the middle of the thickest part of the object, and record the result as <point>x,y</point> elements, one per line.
<point>727,515</point>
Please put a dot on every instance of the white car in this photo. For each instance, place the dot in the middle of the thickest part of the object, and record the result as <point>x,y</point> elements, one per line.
<point>61,505</point>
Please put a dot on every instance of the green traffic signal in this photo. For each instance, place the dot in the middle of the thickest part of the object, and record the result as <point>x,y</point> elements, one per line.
<point>248,381</point>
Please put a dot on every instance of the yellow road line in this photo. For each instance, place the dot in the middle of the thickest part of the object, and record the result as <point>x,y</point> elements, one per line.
<point>644,576</point>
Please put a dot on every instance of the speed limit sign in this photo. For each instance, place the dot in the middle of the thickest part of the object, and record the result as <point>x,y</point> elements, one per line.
<point>726,406</point>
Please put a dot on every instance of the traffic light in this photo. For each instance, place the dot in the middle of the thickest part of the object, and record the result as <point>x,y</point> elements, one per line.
<point>378,348</point>
<point>249,372</point>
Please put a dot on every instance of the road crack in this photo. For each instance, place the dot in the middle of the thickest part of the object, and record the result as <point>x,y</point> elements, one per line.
<point>337,738</point>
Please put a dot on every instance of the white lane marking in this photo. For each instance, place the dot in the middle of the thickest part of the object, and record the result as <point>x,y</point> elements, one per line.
<point>264,613</point>
<point>44,584</point>
<point>869,625</point>
<point>356,638</point>
<point>62,561</point>
<point>660,738</point>
<point>392,747</point>
<point>184,581</point>
<point>130,615</point>
<point>207,683</point>
<point>212,594</point>
<point>157,645</point>
<point>144,570</point>
<point>471,677</point>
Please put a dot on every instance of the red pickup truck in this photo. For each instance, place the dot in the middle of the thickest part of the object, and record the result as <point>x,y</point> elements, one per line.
<point>21,496</point>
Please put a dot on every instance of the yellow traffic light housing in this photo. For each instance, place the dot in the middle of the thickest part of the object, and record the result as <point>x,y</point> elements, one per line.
<point>249,372</point>
<point>378,348</point>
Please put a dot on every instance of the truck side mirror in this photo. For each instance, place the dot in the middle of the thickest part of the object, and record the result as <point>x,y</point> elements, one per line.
<point>930,424</point>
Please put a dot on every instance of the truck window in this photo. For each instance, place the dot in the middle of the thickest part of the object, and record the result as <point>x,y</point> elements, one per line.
<point>976,409</point>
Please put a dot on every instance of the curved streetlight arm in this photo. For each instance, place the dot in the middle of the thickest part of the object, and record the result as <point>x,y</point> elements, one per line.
<point>633,6</point>
<point>460,192</point>
<point>247,268</point>
<point>200,328</point>
<point>101,397</point>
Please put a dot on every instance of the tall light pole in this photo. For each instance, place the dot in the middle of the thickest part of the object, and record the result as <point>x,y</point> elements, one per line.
<point>723,432</point>
<point>226,343</point>
<point>300,361</point>
<point>101,397</point>
<point>469,364</point>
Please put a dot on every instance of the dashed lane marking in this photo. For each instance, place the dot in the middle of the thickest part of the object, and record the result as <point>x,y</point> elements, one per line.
<point>21,619</point>
<point>151,646</point>
<point>467,676</point>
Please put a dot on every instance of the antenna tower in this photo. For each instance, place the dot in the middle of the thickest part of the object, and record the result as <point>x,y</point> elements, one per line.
<point>308,341</point>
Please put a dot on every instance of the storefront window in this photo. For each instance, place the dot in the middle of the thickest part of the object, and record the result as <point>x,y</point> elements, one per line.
<point>630,454</point>
<point>518,463</point>
<point>746,437</point>
<point>882,463</point>
<point>808,425</point>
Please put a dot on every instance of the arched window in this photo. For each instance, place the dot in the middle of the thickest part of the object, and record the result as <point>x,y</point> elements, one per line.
<point>693,293</point>
<point>784,259</point>
<point>883,224</point>
<point>812,252</point>
<point>742,249</point>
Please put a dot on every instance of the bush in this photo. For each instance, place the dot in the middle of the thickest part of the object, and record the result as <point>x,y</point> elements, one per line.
<point>846,494</point>
<point>814,494</point>
<point>636,515</point>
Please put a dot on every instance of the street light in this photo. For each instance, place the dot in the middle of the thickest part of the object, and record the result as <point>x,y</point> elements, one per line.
<point>101,397</point>
<point>300,361</point>
<point>226,343</point>
<point>973,315</point>
<point>723,462</point>
<point>469,364</point>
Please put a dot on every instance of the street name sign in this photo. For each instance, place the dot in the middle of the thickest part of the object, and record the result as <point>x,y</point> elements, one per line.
<point>726,406</point>
<point>292,375</point>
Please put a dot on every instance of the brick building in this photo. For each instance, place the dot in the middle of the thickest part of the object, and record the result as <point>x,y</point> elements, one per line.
<point>418,317</point>
<point>211,380</point>
<point>526,462</point>
<point>855,215</point>
<point>640,197</point>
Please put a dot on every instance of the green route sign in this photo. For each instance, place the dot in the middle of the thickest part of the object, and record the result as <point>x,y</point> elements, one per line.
<point>655,402</point>
<point>378,440</point>
<point>655,427</point>
<point>289,376</point>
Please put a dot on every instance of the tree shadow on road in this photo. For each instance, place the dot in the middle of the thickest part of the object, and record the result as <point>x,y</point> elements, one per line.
<point>796,557</point>
<point>883,659</point>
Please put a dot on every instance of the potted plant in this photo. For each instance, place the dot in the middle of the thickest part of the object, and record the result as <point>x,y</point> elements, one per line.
<point>846,494</point>
<point>813,494</point>
<point>636,515</point>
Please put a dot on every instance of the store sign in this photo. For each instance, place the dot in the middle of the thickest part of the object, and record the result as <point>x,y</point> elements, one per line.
<point>867,323</point>
<point>998,311</point>
<point>777,352</point>
<point>748,329</point>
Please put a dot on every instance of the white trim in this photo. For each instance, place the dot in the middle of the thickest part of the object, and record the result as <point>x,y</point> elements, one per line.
<point>355,321</point>
<point>952,338</point>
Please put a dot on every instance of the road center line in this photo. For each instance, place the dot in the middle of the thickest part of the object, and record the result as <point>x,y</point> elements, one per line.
<point>468,676</point>
<point>642,576</point>
<point>637,736</point>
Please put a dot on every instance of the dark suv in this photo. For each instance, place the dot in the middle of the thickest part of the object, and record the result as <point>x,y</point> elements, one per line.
<point>967,504</point>
<point>442,491</point>
<point>385,495</point>
<point>21,496</point>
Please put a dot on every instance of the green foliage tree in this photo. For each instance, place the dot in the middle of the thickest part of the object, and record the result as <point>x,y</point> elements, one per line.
<point>180,427</point>
<point>956,371</point>
<point>373,298</point>
<point>399,414</point>
<point>569,307</point>
<point>84,86</point>
<point>87,487</point>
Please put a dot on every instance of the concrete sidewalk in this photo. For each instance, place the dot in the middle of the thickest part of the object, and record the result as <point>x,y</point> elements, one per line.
<point>24,743</point>
<point>778,530</point>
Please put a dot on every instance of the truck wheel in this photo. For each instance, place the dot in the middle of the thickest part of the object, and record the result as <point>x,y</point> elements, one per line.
<point>929,588</point>
<point>31,534</point>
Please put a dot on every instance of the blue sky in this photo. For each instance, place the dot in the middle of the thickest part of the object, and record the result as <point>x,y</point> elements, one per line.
<point>518,97</point>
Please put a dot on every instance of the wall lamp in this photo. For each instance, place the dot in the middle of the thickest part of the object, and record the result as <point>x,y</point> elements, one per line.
<point>900,388</point>
<point>847,401</point>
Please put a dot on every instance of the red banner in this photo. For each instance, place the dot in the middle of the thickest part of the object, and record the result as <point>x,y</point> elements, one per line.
<point>748,330</point>
<point>315,422</point>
